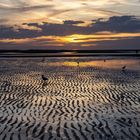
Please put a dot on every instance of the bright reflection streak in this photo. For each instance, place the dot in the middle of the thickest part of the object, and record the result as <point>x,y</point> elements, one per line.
<point>113,64</point>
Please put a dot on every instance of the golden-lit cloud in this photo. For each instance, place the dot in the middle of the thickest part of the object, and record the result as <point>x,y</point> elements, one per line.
<point>65,23</point>
<point>75,39</point>
<point>19,11</point>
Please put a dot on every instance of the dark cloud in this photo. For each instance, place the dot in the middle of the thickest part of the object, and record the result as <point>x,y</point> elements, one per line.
<point>72,22</point>
<point>118,24</point>
<point>31,24</point>
<point>46,29</point>
<point>115,24</point>
<point>10,32</point>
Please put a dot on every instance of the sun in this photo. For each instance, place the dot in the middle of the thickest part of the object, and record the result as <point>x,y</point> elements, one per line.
<point>70,39</point>
<point>76,38</point>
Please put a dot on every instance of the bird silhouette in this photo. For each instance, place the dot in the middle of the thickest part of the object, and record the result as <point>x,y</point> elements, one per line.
<point>43,59</point>
<point>78,64</point>
<point>123,68</point>
<point>44,78</point>
<point>122,96</point>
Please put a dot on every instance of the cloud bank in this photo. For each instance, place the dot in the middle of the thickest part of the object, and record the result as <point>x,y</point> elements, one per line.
<point>116,32</point>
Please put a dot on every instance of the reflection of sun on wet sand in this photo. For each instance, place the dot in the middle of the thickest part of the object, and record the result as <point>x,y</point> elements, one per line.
<point>95,100</point>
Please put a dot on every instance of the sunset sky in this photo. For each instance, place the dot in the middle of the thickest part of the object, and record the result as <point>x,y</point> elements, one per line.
<point>69,24</point>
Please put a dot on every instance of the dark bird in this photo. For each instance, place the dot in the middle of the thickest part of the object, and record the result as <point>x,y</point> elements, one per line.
<point>123,68</point>
<point>122,96</point>
<point>44,78</point>
<point>78,63</point>
<point>43,59</point>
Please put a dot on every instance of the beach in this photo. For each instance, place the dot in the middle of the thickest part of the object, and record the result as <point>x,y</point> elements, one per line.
<point>85,98</point>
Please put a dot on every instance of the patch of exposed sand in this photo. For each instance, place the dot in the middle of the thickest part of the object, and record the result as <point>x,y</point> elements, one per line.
<point>90,100</point>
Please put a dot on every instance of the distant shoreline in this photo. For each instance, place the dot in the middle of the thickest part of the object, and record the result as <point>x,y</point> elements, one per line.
<point>76,55</point>
<point>67,53</point>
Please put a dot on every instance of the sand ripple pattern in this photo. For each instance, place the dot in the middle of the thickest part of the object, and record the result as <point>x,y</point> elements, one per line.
<point>78,103</point>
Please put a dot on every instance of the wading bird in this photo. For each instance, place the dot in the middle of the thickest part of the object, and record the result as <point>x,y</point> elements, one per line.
<point>78,64</point>
<point>45,79</point>
<point>122,96</point>
<point>43,59</point>
<point>123,68</point>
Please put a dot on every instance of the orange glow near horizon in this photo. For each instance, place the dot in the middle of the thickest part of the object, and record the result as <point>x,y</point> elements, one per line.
<point>77,38</point>
<point>74,39</point>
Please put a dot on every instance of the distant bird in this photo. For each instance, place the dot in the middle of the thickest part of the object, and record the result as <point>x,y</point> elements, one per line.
<point>122,96</point>
<point>139,100</point>
<point>123,68</point>
<point>43,59</point>
<point>78,64</point>
<point>44,78</point>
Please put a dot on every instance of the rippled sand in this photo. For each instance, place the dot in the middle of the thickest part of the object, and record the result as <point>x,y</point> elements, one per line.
<point>94,101</point>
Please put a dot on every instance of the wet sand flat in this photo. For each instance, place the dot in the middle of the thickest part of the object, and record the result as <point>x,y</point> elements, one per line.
<point>84,98</point>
